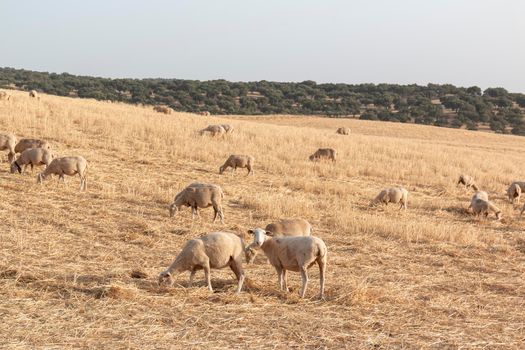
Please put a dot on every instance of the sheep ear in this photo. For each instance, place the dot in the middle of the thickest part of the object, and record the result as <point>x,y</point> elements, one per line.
<point>269,233</point>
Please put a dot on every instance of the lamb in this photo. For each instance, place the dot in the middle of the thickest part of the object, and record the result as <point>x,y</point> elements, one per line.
<point>214,130</point>
<point>290,253</point>
<point>66,166</point>
<point>33,94</point>
<point>481,206</point>
<point>4,96</point>
<point>343,131</point>
<point>238,161</point>
<point>198,195</point>
<point>32,156</point>
<point>392,195</point>
<point>514,191</point>
<point>162,109</point>
<point>228,128</point>
<point>324,153</point>
<point>468,181</point>
<point>8,142</point>
<point>215,250</point>
<point>24,144</point>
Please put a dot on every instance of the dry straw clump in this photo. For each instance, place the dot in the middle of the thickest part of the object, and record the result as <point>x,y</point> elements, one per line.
<point>80,269</point>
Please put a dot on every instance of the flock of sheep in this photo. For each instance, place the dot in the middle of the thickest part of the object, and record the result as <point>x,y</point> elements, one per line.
<point>287,244</point>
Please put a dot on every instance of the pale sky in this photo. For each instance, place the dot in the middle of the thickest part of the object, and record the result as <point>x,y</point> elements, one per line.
<point>461,42</point>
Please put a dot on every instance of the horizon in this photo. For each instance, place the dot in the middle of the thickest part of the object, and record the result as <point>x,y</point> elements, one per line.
<point>377,42</point>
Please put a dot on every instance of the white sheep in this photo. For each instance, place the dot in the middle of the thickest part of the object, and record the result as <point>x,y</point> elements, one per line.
<point>468,181</point>
<point>66,166</point>
<point>324,153</point>
<point>290,227</point>
<point>33,94</point>
<point>228,128</point>
<point>199,195</point>
<point>478,195</point>
<point>343,131</point>
<point>213,130</point>
<point>24,144</point>
<point>392,195</point>
<point>290,253</point>
<point>514,191</point>
<point>163,109</point>
<point>215,250</point>
<point>484,207</point>
<point>32,156</point>
<point>4,96</point>
<point>8,142</point>
<point>238,161</point>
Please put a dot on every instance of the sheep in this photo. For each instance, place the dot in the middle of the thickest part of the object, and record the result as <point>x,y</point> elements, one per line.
<point>290,253</point>
<point>162,109</point>
<point>33,94</point>
<point>214,130</point>
<point>66,166</point>
<point>24,144</point>
<point>8,142</point>
<point>198,195</point>
<point>324,153</point>
<point>238,161</point>
<point>392,195</point>
<point>343,131</point>
<point>205,113</point>
<point>228,128</point>
<point>478,195</point>
<point>514,191</point>
<point>32,156</point>
<point>468,181</point>
<point>215,250</point>
<point>4,96</point>
<point>289,227</point>
<point>481,206</point>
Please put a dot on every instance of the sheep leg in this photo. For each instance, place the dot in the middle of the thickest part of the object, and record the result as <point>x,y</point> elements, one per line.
<point>304,277</point>
<point>236,267</point>
<point>279,276</point>
<point>284,282</point>
<point>192,274</point>
<point>322,269</point>
<point>207,276</point>
<point>31,168</point>
<point>193,212</point>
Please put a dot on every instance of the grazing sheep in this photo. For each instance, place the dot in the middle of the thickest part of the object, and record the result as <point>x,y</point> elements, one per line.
<point>8,142</point>
<point>514,191</point>
<point>290,227</point>
<point>205,113</point>
<point>215,250</point>
<point>478,195</point>
<point>343,131</point>
<point>162,109</point>
<point>481,206</point>
<point>214,130</point>
<point>468,181</point>
<point>32,156</point>
<point>4,96</point>
<point>24,144</point>
<point>324,153</point>
<point>290,253</point>
<point>228,128</point>
<point>238,161</point>
<point>198,195</point>
<point>392,195</point>
<point>66,166</point>
<point>33,94</point>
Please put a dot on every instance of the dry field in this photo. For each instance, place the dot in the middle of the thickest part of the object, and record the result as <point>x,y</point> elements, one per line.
<point>80,269</point>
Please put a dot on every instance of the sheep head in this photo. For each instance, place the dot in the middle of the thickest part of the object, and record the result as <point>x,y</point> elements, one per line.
<point>165,278</point>
<point>173,210</point>
<point>221,169</point>
<point>15,167</point>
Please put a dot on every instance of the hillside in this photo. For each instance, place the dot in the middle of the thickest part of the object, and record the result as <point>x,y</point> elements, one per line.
<point>430,277</point>
<point>445,105</point>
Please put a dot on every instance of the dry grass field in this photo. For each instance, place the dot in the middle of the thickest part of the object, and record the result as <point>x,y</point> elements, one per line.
<point>79,269</point>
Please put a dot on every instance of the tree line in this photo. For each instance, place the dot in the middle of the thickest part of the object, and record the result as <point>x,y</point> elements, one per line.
<point>441,105</point>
